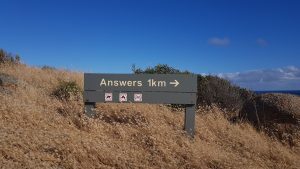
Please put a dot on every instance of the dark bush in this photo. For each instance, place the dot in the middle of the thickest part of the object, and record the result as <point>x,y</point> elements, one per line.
<point>215,90</point>
<point>46,67</point>
<point>211,89</point>
<point>68,91</point>
<point>277,115</point>
<point>158,69</point>
<point>6,57</point>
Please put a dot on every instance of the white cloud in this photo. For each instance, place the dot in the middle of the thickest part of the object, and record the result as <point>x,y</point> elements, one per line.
<point>286,78</point>
<point>219,41</point>
<point>262,42</point>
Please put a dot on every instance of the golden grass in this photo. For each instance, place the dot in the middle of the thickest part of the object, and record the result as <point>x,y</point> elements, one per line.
<point>39,131</point>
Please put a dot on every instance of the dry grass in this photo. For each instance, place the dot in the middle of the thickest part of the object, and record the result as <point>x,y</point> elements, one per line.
<point>39,131</point>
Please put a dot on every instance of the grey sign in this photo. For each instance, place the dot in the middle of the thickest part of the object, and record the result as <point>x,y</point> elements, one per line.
<point>142,88</point>
<point>141,82</point>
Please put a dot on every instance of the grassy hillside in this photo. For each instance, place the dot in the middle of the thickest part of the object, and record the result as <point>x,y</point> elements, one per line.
<point>38,130</point>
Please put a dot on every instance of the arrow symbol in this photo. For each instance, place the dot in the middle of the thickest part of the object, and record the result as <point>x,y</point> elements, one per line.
<point>175,83</point>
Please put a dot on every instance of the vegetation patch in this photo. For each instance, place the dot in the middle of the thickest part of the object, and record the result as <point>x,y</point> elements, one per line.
<point>9,58</point>
<point>69,90</point>
<point>212,90</point>
<point>46,67</point>
<point>276,114</point>
<point>7,83</point>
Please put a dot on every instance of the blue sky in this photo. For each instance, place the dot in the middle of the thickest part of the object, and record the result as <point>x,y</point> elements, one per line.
<point>229,38</point>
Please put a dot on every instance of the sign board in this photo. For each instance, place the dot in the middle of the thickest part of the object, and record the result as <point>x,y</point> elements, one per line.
<point>143,88</point>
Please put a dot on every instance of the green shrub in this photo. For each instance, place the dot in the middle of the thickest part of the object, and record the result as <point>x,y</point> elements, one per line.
<point>6,57</point>
<point>46,67</point>
<point>211,89</point>
<point>158,69</point>
<point>215,90</point>
<point>68,91</point>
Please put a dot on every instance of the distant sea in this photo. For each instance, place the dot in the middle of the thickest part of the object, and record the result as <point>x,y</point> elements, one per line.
<point>295,92</point>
